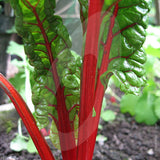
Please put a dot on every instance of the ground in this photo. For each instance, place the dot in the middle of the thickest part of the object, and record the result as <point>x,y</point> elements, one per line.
<point>126,140</point>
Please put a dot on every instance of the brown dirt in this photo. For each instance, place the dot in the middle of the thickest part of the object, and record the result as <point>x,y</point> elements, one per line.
<point>127,140</point>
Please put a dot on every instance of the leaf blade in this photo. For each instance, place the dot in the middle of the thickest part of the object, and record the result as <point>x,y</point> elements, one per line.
<point>125,55</point>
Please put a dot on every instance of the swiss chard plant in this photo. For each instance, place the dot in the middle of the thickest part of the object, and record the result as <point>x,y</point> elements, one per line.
<point>69,89</point>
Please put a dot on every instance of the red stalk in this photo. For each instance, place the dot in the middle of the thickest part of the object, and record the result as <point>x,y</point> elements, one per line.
<point>88,81</point>
<point>66,133</point>
<point>98,104</point>
<point>28,119</point>
<point>100,90</point>
<point>91,95</point>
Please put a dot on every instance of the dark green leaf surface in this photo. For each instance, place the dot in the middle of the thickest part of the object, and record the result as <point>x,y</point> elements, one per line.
<point>128,20</point>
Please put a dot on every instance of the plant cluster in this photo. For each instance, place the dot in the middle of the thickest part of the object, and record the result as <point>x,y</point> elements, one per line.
<point>69,89</point>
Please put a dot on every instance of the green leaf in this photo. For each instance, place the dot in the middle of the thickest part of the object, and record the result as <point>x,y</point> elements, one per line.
<point>156,68</point>
<point>109,2</point>
<point>18,82</point>
<point>54,132</point>
<point>84,13</point>
<point>153,51</point>
<point>47,45</point>
<point>54,136</point>
<point>16,49</point>
<point>31,147</point>
<point>100,126</point>
<point>18,144</point>
<point>144,109</point>
<point>152,43</point>
<point>126,57</point>
<point>108,115</point>
<point>157,107</point>
<point>104,104</point>
<point>149,65</point>
<point>128,103</point>
<point>101,138</point>
<point>94,113</point>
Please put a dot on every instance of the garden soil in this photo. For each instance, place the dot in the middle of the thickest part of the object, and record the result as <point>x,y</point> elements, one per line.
<point>126,140</point>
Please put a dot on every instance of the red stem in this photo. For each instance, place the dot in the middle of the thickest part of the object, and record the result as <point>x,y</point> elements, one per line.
<point>100,90</point>
<point>88,80</point>
<point>98,104</point>
<point>28,119</point>
<point>91,95</point>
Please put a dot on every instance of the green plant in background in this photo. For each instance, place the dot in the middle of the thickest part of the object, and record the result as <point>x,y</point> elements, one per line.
<point>21,142</point>
<point>152,43</point>
<point>22,81</point>
<point>146,107</point>
<point>107,115</point>
<point>24,78</point>
<point>9,126</point>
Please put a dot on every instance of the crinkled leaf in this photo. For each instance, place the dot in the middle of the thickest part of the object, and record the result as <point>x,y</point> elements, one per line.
<point>47,45</point>
<point>125,22</point>
<point>37,24</point>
